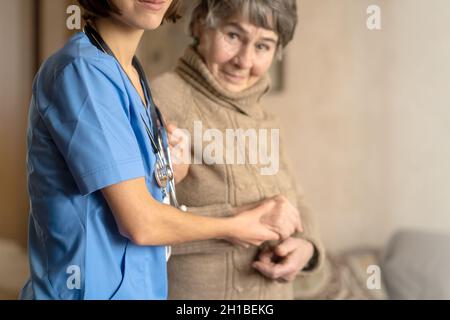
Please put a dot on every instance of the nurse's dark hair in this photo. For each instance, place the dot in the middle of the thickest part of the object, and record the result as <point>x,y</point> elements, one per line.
<point>104,8</point>
<point>277,15</point>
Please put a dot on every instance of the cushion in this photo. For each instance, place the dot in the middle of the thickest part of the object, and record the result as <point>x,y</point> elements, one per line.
<point>416,265</point>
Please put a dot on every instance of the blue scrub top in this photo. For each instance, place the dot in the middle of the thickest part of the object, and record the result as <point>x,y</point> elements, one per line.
<point>86,133</point>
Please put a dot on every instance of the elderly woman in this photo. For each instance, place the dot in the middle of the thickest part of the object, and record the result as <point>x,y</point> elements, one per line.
<point>216,89</point>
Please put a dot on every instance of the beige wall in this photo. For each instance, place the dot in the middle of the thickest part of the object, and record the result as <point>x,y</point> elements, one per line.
<point>419,106</point>
<point>17,67</point>
<point>367,117</point>
<point>18,60</point>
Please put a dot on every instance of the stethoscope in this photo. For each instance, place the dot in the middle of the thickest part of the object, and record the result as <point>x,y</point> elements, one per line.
<point>164,174</point>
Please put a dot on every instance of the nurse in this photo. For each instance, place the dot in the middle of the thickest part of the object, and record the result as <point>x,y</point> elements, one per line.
<point>98,227</point>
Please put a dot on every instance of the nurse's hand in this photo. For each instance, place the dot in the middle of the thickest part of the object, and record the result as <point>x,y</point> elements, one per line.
<point>283,262</point>
<point>277,214</point>
<point>179,151</point>
<point>247,228</point>
<point>283,217</point>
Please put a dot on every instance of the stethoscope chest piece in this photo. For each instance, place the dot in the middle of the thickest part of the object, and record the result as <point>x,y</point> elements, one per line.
<point>163,174</point>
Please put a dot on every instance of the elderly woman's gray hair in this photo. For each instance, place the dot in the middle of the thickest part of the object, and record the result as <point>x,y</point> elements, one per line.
<point>277,15</point>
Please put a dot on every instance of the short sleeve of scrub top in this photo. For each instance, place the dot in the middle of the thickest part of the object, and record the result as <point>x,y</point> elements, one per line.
<point>91,129</point>
<point>85,133</point>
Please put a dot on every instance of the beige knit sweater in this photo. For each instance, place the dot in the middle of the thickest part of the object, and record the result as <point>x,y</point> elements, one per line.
<point>188,94</point>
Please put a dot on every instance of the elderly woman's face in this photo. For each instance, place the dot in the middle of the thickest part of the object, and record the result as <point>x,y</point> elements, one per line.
<point>237,52</point>
<point>142,14</point>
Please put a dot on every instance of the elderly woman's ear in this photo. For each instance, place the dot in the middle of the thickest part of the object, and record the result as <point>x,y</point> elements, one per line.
<point>196,31</point>
<point>195,34</point>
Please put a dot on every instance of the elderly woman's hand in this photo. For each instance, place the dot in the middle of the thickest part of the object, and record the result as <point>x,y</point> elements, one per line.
<point>179,151</point>
<point>286,260</point>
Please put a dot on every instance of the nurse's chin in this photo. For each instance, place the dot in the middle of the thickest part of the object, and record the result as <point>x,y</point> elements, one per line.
<point>149,21</point>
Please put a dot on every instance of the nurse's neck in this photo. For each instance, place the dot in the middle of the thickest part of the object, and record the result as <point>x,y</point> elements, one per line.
<point>122,39</point>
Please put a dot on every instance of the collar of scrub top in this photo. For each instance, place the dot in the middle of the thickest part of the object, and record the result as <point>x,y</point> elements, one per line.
<point>158,137</point>
<point>98,41</point>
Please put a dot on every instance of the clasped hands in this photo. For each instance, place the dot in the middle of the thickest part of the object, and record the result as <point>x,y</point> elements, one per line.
<point>281,262</point>
<point>276,219</point>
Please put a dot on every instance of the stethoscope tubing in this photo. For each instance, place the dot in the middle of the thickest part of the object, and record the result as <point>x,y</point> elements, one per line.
<point>164,161</point>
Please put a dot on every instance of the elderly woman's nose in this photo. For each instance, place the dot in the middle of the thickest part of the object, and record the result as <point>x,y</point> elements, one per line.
<point>245,57</point>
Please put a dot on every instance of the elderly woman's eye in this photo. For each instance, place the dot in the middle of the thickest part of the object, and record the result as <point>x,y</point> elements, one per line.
<point>233,36</point>
<point>262,47</point>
